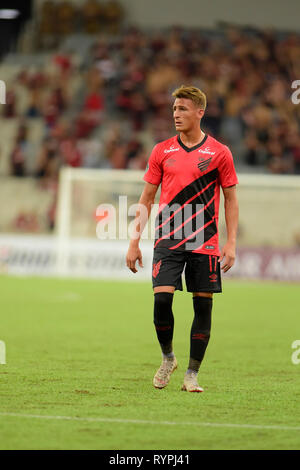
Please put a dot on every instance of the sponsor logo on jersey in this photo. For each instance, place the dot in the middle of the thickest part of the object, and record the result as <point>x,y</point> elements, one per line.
<point>207,151</point>
<point>209,247</point>
<point>171,149</point>
<point>204,163</point>
<point>156,268</point>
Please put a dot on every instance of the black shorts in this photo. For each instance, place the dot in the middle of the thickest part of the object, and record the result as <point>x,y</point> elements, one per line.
<point>202,272</point>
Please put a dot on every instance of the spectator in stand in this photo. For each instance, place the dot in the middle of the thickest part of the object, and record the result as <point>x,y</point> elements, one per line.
<point>9,109</point>
<point>54,106</point>
<point>293,140</point>
<point>18,159</point>
<point>69,151</point>
<point>115,148</point>
<point>48,161</point>
<point>136,156</point>
<point>279,160</point>
<point>84,124</point>
<point>138,111</point>
<point>94,105</point>
<point>246,75</point>
<point>253,147</point>
<point>91,152</point>
<point>21,152</point>
<point>34,106</point>
<point>64,67</point>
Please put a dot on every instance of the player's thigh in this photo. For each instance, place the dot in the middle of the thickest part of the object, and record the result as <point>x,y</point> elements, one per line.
<point>169,289</point>
<point>167,270</point>
<point>203,274</point>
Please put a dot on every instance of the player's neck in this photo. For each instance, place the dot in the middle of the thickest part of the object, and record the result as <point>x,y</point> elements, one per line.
<point>192,138</point>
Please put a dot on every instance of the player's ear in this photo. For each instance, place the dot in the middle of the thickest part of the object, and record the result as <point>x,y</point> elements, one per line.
<point>200,113</point>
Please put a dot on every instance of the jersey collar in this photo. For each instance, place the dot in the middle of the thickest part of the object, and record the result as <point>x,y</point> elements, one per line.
<point>191,149</point>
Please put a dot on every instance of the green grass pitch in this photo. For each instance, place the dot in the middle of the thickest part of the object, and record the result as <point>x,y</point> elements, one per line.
<point>87,349</point>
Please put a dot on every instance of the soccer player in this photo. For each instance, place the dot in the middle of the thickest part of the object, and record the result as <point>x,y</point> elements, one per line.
<point>190,167</point>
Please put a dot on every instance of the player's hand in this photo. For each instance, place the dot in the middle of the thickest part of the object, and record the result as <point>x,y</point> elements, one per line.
<point>228,255</point>
<point>134,255</point>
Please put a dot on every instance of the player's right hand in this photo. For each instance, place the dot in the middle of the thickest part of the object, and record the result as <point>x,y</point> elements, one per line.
<point>134,255</point>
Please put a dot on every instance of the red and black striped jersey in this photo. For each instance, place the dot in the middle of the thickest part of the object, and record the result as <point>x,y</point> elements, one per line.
<point>190,181</point>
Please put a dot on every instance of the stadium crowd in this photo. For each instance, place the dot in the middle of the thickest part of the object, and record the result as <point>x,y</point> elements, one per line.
<point>62,17</point>
<point>124,102</point>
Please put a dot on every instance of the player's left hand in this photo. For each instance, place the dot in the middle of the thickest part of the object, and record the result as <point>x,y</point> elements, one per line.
<point>228,255</point>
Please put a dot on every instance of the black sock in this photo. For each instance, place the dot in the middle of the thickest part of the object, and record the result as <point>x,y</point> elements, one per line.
<point>200,331</point>
<point>164,320</point>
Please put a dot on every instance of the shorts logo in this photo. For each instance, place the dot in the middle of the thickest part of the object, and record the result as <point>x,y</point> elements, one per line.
<point>204,163</point>
<point>213,278</point>
<point>156,268</point>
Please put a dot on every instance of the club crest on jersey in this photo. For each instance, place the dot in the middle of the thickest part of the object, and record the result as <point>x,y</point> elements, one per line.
<point>204,163</point>
<point>171,149</point>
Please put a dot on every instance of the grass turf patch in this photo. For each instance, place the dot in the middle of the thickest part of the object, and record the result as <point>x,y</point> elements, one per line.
<point>79,348</point>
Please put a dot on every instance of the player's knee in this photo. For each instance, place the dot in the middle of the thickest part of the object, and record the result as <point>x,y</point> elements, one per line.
<point>209,295</point>
<point>163,308</point>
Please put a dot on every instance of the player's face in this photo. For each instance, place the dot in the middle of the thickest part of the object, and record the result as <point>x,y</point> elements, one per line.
<point>187,115</point>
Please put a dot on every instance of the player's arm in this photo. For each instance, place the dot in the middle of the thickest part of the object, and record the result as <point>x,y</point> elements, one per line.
<point>231,218</point>
<point>134,253</point>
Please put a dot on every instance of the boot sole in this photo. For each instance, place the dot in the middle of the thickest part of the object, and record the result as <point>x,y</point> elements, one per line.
<point>196,390</point>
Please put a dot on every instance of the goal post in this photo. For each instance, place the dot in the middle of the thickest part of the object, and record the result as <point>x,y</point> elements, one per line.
<point>81,193</point>
<point>269,211</point>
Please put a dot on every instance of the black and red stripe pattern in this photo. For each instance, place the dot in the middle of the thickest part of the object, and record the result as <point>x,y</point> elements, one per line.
<point>189,218</point>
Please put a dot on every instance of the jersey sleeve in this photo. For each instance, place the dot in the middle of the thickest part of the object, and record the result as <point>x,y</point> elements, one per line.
<point>227,174</point>
<point>154,170</point>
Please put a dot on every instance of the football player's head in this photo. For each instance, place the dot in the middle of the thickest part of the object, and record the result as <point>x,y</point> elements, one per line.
<point>188,108</point>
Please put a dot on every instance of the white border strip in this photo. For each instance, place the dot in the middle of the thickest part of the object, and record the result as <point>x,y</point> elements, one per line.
<point>159,423</point>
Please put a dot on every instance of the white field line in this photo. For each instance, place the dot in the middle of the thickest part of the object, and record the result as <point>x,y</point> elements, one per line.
<point>156,423</point>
